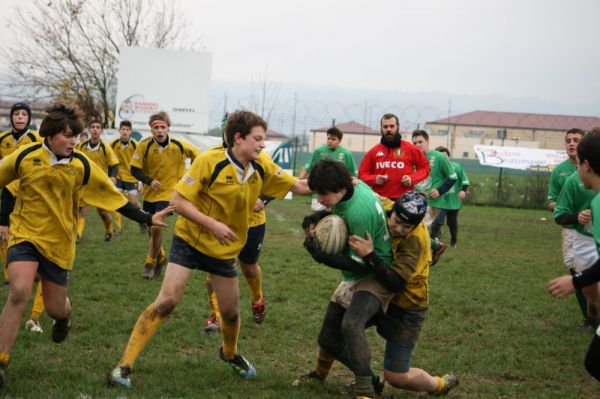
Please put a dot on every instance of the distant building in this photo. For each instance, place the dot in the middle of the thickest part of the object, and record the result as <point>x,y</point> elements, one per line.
<point>37,113</point>
<point>357,137</point>
<point>273,135</point>
<point>461,132</point>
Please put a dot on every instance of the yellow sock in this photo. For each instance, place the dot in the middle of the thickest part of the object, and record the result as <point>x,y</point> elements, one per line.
<point>255,284</point>
<point>441,384</point>
<point>108,227</point>
<point>229,337</point>
<point>38,303</point>
<point>324,362</point>
<point>150,261</point>
<point>4,358</point>
<point>212,300</point>
<point>144,330</point>
<point>80,226</point>
<point>3,250</point>
<point>118,219</point>
<point>161,254</point>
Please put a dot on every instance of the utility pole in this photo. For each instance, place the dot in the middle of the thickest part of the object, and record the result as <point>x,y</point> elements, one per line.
<point>500,173</point>
<point>294,138</point>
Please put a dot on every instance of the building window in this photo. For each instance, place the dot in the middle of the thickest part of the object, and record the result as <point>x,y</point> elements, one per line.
<point>501,134</point>
<point>466,154</point>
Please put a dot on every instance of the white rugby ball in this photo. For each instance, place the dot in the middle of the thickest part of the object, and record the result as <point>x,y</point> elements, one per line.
<point>331,234</point>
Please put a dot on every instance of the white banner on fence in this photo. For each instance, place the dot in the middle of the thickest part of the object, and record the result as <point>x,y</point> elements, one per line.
<point>518,157</point>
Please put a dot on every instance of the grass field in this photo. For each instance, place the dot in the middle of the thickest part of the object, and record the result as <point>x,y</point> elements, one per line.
<point>490,320</point>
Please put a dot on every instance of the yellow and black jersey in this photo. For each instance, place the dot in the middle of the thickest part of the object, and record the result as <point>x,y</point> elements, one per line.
<point>49,198</point>
<point>412,256</point>
<point>102,154</point>
<point>218,186</point>
<point>163,163</point>
<point>8,144</point>
<point>124,152</point>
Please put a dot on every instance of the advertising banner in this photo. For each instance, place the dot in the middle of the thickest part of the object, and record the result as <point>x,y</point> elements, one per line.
<point>174,81</point>
<point>519,157</point>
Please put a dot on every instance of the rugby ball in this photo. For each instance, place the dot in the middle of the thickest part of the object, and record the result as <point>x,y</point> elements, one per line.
<point>331,234</point>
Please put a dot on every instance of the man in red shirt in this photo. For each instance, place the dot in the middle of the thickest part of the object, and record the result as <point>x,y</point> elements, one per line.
<point>393,166</point>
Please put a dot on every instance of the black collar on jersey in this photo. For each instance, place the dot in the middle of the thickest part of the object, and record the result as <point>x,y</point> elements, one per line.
<point>58,157</point>
<point>235,161</point>
<point>164,143</point>
<point>124,142</point>
<point>17,134</point>
<point>395,143</point>
<point>348,195</point>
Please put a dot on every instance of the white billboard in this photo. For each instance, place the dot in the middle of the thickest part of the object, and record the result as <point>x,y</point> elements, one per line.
<point>174,81</point>
<point>518,157</point>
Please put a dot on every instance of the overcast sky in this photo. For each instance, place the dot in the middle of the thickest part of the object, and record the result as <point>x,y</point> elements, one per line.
<point>543,49</point>
<point>547,49</point>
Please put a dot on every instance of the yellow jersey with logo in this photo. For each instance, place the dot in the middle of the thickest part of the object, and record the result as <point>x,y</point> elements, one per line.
<point>124,152</point>
<point>8,144</point>
<point>219,187</point>
<point>49,198</point>
<point>165,164</point>
<point>102,154</point>
<point>412,256</point>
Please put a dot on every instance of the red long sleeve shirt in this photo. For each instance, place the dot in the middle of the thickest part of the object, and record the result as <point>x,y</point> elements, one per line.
<point>395,163</point>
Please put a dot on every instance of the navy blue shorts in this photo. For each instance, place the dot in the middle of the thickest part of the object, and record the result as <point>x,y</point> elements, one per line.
<point>185,255</point>
<point>154,207</point>
<point>126,186</point>
<point>401,329</point>
<point>26,251</point>
<point>251,250</point>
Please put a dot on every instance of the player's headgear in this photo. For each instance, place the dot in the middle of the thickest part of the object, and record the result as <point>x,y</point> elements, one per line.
<point>411,207</point>
<point>17,106</point>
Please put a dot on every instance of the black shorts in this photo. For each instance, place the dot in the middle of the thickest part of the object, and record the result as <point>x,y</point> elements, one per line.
<point>126,186</point>
<point>26,251</point>
<point>251,250</point>
<point>154,207</point>
<point>401,326</point>
<point>187,256</point>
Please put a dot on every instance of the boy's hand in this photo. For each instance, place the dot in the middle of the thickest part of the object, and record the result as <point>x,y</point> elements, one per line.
<point>561,287</point>
<point>361,246</point>
<point>159,219</point>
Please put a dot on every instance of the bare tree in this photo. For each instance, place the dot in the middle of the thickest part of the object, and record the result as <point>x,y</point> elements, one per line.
<point>68,50</point>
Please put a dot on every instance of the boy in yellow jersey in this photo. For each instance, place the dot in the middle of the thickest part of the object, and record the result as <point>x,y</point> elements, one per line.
<point>54,179</point>
<point>10,140</point>
<point>401,324</point>
<point>159,163</point>
<point>124,147</point>
<point>104,156</point>
<point>214,200</point>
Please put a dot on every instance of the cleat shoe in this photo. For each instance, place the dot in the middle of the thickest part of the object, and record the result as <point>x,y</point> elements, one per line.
<point>160,263</point>
<point>212,325</point>
<point>435,258</point>
<point>107,237</point>
<point>120,375</point>
<point>117,230</point>
<point>33,326</point>
<point>78,239</point>
<point>259,310</point>
<point>148,272</point>
<point>2,375</point>
<point>60,330</point>
<point>241,366</point>
<point>450,382</point>
<point>378,386</point>
<point>308,378</point>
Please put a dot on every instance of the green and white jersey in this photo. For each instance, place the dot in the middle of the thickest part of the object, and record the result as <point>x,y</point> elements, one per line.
<point>573,199</point>
<point>596,220</point>
<point>363,212</point>
<point>558,178</point>
<point>450,200</point>
<point>441,170</point>
<point>339,154</point>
